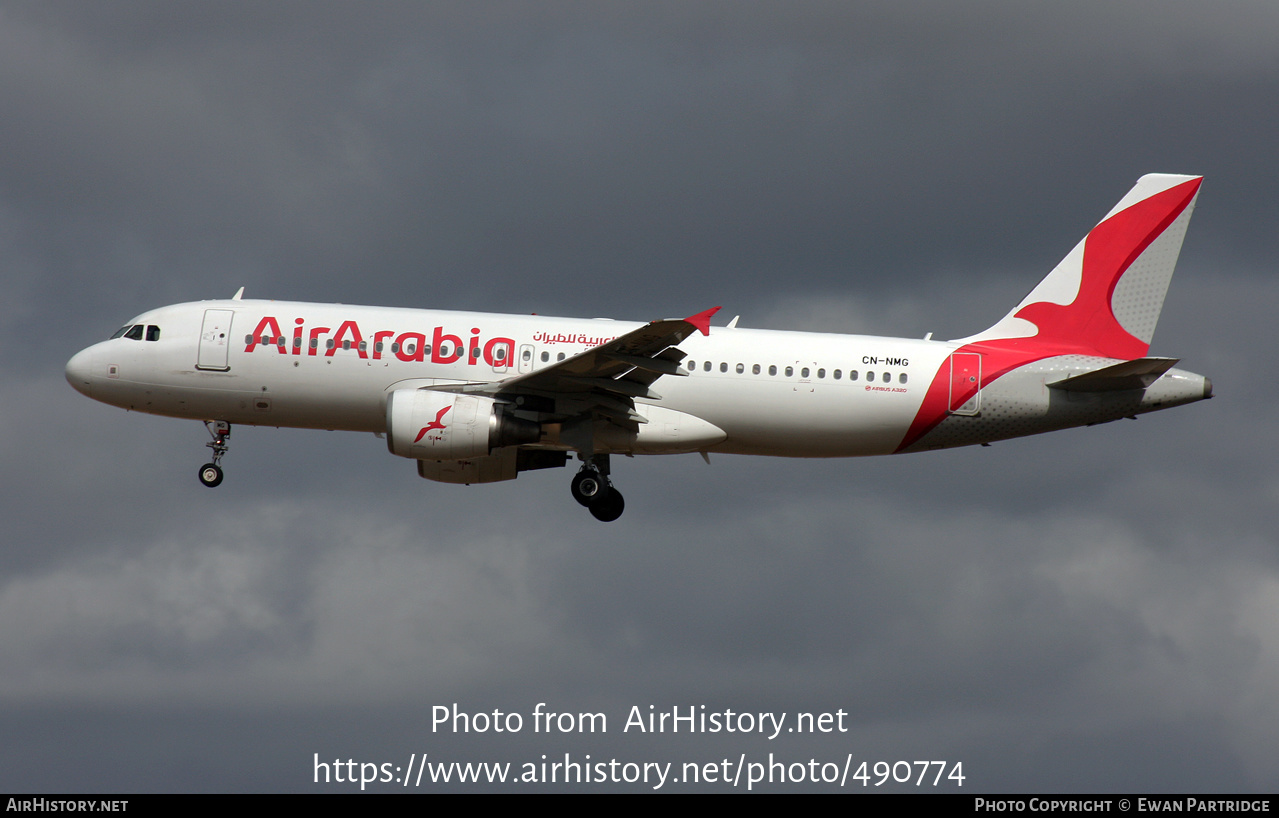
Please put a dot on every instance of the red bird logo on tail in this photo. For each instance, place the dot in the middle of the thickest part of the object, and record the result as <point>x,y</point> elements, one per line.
<point>438,423</point>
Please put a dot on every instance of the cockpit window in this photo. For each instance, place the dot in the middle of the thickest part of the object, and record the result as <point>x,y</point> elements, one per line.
<point>153,332</point>
<point>121,331</point>
<point>135,332</point>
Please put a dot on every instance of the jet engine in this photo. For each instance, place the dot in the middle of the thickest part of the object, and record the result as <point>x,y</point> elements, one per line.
<point>427,425</point>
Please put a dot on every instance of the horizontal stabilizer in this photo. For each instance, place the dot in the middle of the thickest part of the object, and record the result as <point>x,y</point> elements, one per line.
<point>1136,374</point>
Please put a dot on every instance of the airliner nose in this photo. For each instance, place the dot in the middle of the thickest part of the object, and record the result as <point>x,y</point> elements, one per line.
<point>79,368</point>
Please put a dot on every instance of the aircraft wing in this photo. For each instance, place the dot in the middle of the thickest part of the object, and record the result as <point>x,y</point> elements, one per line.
<point>605,379</point>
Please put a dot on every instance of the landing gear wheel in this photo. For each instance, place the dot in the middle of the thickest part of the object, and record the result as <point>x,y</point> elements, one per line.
<point>587,486</point>
<point>210,475</point>
<point>608,507</point>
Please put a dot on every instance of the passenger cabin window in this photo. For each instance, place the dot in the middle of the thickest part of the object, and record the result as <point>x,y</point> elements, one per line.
<point>740,369</point>
<point>772,369</point>
<point>755,369</point>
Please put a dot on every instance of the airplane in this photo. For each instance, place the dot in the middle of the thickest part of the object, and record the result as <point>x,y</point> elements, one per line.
<point>479,398</point>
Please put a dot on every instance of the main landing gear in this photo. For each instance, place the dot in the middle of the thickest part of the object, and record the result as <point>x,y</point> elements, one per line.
<point>592,488</point>
<point>211,473</point>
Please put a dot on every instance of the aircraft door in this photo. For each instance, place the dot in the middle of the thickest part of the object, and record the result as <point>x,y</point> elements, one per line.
<point>965,383</point>
<point>804,370</point>
<point>500,356</point>
<point>526,359</point>
<point>215,340</point>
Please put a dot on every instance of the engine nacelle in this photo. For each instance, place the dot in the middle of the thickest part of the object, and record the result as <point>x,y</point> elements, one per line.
<point>427,425</point>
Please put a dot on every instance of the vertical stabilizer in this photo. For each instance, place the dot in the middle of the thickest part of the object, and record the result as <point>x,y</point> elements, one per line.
<point>1105,296</point>
<point>1102,301</point>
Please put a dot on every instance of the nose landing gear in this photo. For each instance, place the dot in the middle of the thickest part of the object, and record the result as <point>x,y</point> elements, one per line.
<point>592,488</point>
<point>211,473</point>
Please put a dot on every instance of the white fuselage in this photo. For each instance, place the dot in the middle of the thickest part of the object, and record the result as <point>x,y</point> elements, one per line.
<point>479,397</point>
<point>779,393</point>
<point>796,394</point>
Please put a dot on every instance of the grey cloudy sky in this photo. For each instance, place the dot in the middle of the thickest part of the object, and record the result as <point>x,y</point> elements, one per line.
<point>1095,609</point>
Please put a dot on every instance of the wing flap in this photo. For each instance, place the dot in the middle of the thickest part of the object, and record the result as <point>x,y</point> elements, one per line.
<point>658,363</point>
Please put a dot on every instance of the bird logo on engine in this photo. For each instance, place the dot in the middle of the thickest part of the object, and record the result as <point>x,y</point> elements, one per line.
<point>438,423</point>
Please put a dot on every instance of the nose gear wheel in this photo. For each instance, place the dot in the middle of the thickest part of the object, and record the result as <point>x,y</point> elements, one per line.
<point>211,473</point>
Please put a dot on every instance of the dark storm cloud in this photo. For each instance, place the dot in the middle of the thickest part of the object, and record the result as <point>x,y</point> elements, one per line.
<point>1072,611</point>
<point>440,153</point>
